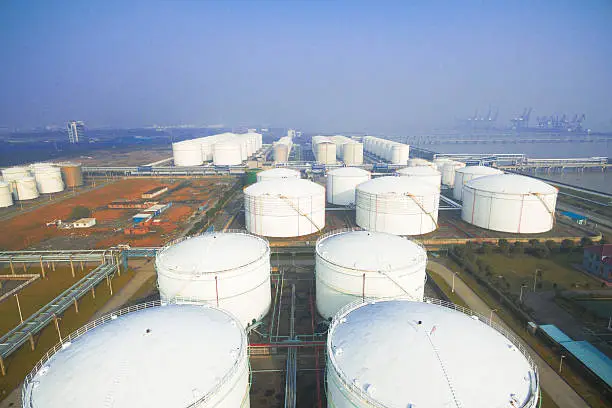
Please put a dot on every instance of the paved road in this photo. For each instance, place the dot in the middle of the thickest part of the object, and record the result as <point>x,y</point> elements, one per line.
<point>560,392</point>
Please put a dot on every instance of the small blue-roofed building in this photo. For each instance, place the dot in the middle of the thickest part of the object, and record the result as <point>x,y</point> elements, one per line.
<point>577,218</point>
<point>597,260</point>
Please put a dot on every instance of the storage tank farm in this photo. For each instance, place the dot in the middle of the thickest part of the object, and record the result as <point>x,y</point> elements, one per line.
<point>281,149</point>
<point>397,205</point>
<point>509,203</point>
<point>230,270</point>
<point>353,265</point>
<point>349,151</point>
<point>284,208</point>
<point>401,353</point>
<point>425,174</point>
<point>149,355</point>
<point>388,150</point>
<point>341,184</point>
<point>48,178</point>
<point>224,149</point>
<point>465,174</point>
<point>278,173</point>
<point>324,150</point>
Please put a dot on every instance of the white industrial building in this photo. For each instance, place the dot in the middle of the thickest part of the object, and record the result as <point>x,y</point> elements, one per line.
<point>401,353</point>
<point>154,356</point>
<point>324,150</point>
<point>281,149</point>
<point>341,184</point>
<point>388,150</point>
<point>84,223</point>
<point>397,205</point>
<point>284,208</point>
<point>509,203</point>
<point>278,173</point>
<point>425,174</point>
<point>224,149</point>
<point>465,174</point>
<point>352,265</point>
<point>230,270</point>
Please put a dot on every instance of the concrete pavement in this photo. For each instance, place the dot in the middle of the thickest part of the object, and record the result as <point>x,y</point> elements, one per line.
<point>560,392</point>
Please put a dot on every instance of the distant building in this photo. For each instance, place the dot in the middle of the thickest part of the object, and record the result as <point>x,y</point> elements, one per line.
<point>291,133</point>
<point>76,131</point>
<point>597,260</point>
<point>577,218</point>
<point>84,223</point>
<point>155,192</point>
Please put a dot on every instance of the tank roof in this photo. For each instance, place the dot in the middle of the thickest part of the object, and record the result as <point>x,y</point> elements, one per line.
<point>157,357</point>
<point>479,170</point>
<point>397,185</point>
<point>349,172</point>
<point>415,354</point>
<point>418,171</point>
<point>213,252</point>
<point>370,251</point>
<point>284,187</point>
<point>511,184</point>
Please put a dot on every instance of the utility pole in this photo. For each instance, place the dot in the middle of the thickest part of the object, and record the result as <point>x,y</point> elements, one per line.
<point>521,295</point>
<point>561,362</point>
<point>491,316</point>
<point>535,279</point>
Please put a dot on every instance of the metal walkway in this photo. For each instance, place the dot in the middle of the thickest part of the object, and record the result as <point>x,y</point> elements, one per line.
<point>39,320</point>
<point>85,255</point>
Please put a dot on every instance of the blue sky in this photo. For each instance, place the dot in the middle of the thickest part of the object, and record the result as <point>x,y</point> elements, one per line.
<point>380,67</point>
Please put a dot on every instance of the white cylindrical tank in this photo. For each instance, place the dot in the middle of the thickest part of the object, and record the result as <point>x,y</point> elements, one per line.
<point>324,150</point>
<point>284,208</point>
<point>448,172</point>
<point>187,153</point>
<point>282,149</point>
<point>352,153</point>
<point>25,188</point>
<point>509,203</point>
<point>148,355</point>
<point>426,174</point>
<point>439,162</point>
<point>15,173</point>
<point>227,153</point>
<point>465,174</point>
<point>357,264</point>
<point>6,199</point>
<point>229,270</point>
<point>278,173</point>
<point>397,205</point>
<point>341,184</point>
<point>416,162</point>
<point>401,353</point>
<point>48,178</point>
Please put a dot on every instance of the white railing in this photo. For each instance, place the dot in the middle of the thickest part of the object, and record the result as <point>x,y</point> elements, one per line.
<point>534,388</point>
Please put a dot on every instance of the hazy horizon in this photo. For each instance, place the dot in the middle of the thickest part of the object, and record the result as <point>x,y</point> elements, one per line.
<point>378,67</point>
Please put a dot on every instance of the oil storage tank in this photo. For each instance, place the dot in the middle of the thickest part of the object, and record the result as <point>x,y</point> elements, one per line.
<point>187,153</point>
<point>6,198</point>
<point>397,205</point>
<point>401,353</point>
<point>278,173</point>
<point>324,150</point>
<point>425,174</point>
<point>416,162</point>
<point>48,178</point>
<point>73,174</point>
<point>509,203</point>
<point>465,174</point>
<point>352,265</point>
<point>15,173</point>
<point>282,149</point>
<point>448,172</point>
<point>25,188</point>
<point>341,184</point>
<point>148,355</point>
<point>228,153</point>
<point>284,208</point>
<point>229,270</point>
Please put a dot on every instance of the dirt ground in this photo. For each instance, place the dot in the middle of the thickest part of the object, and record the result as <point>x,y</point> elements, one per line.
<point>124,157</point>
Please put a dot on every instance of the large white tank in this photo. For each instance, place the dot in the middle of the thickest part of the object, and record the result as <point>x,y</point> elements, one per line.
<point>465,174</point>
<point>397,205</point>
<point>227,153</point>
<point>439,162</point>
<point>15,173</point>
<point>6,199</point>
<point>324,150</point>
<point>187,153</point>
<point>448,172</point>
<point>348,150</point>
<point>426,174</point>
<point>400,353</point>
<point>228,270</point>
<point>356,264</point>
<point>416,162</point>
<point>278,173</point>
<point>48,178</point>
<point>509,203</point>
<point>388,150</point>
<point>146,356</point>
<point>25,188</point>
<point>282,149</point>
<point>284,208</point>
<point>341,184</point>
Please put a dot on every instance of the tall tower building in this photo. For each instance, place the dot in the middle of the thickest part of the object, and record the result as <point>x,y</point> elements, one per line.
<point>76,131</point>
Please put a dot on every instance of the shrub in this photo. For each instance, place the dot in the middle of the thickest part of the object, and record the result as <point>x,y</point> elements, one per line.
<point>80,212</point>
